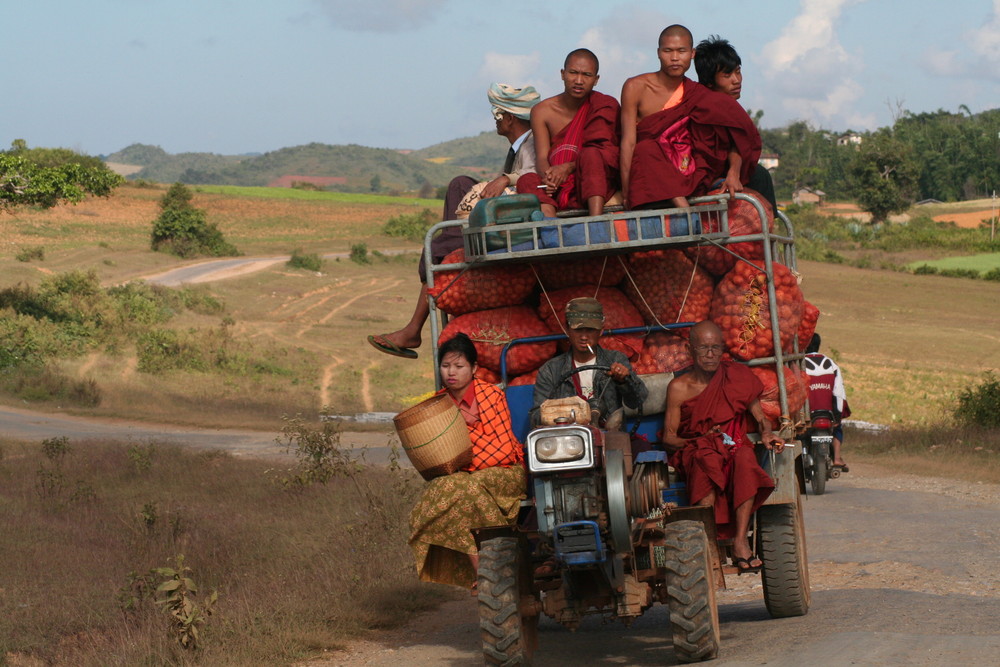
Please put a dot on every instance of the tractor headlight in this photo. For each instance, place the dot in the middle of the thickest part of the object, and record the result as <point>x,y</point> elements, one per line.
<point>560,448</point>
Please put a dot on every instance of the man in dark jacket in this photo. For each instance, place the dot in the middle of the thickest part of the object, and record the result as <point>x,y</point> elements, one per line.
<point>605,391</point>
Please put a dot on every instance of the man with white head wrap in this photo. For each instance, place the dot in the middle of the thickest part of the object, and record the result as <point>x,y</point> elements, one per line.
<point>512,112</point>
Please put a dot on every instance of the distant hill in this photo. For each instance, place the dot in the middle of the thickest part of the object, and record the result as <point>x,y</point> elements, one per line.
<point>486,150</point>
<point>358,166</point>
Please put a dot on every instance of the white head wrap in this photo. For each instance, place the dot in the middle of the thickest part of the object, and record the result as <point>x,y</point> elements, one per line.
<point>515,101</point>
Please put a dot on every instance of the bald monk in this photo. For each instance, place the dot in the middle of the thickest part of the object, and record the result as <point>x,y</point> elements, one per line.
<point>705,427</point>
<point>679,137</point>
<point>576,142</point>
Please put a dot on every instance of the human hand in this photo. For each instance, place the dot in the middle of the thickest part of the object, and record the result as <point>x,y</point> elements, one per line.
<point>773,442</point>
<point>732,184</point>
<point>495,187</point>
<point>557,175</point>
<point>618,372</point>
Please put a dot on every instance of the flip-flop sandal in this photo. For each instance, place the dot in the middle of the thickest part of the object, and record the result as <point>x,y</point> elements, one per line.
<point>842,466</point>
<point>383,344</point>
<point>749,569</point>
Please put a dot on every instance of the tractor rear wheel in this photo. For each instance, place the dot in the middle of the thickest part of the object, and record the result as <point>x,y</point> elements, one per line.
<point>509,637</point>
<point>694,614</point>
<point>782,548</point>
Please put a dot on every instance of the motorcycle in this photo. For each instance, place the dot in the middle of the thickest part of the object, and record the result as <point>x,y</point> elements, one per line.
<point>817,454</point>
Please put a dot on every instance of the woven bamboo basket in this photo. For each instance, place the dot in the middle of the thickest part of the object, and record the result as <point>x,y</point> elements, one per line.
<point>434,437</point>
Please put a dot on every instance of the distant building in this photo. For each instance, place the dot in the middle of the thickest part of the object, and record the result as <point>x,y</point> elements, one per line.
<point>769,161</point>
<point>808,196</point>
<point>287,180</point>
<point>850,139</point>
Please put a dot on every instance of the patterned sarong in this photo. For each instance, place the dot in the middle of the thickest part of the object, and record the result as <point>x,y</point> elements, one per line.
<point>449,508</point>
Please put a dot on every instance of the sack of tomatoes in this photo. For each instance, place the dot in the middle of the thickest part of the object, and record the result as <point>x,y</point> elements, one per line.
<point>491,330</point>
<point>477,289</point>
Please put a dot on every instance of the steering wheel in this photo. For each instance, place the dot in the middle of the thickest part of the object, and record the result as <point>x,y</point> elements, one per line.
<point>601,367</point>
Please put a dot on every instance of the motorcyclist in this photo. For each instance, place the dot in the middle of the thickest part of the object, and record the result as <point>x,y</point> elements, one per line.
<point>826,392</point>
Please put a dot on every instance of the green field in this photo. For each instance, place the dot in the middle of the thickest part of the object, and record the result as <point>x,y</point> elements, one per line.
<point>981,263</point>
<point>316,195</point>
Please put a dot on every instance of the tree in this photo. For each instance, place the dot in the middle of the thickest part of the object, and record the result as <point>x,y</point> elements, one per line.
<point>883,176</point>
<point>45,177</point>
<point>376,183</point>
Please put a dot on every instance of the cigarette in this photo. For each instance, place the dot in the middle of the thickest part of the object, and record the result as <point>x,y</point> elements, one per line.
<point>542,187</point>
<point>590,348</point>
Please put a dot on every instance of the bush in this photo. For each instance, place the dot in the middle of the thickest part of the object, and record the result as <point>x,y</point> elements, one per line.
<point>925,270</point>
<point>960,273</point>
<point>183,230</point>
<point>992,274</point>
<point>980,406</point>
<point>307,261</point>
<point>30,253</point>
<point>359,254</point>
<point>412,226</point>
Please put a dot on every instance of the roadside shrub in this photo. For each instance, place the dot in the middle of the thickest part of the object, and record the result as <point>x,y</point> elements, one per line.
<point>980,405</point>
<point>183,230</point>
<point>412,226</point>
<point>925,270</point>
<point>30,253</point>
<point>36,384</point>
<point>307,261</point>
<point>992,274</point>
<point>960,273</point>
<point>359,254</point>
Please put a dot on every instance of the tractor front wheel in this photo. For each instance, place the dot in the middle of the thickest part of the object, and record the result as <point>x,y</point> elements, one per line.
<point>509,637</point>
<point>694,614</point>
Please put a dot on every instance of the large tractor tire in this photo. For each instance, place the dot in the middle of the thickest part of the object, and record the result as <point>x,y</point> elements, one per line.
<point>694,614</point>
<point>509,637</point>
<point>782,548</point>
<point>818,481</point>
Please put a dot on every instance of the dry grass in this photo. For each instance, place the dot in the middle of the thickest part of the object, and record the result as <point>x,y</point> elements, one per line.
<point>956,453</point>
<point>296,571</point>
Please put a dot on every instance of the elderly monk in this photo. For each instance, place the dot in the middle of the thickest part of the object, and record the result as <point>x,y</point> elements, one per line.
<point>511,111</point>
<point>679,137</point>
<point>576,142</point>
<point>706,427</point>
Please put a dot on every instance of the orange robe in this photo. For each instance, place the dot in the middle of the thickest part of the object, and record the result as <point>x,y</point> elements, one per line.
<point>731,471</point>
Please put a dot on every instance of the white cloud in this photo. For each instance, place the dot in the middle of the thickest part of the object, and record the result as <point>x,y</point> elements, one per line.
<point>625,43</point>
<point>810,71</point>
<point>942,63</point>
<point>380,15</point>
<point>517,70</point>
<point>985,42</point>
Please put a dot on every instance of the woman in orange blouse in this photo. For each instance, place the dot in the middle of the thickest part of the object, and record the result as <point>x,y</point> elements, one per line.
<point>487,492</point>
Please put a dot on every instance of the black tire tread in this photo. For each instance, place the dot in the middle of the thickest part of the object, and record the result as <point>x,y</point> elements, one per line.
<point>498,598</point>
<point>694,620</point>
<point>784,580</point>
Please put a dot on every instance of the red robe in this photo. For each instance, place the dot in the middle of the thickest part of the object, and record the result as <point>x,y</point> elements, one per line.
<point>710,465</point>
<point>681,151</point>
<point>590,139</point>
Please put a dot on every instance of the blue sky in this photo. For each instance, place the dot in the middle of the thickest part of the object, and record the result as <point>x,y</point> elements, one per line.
<point>237,76</point>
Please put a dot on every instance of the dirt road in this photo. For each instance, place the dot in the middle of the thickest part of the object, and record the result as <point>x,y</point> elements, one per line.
<point>903,569</point>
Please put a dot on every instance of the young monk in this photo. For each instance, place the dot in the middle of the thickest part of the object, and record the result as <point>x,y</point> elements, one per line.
<point>576,142</point>
<point>705,425</point>
<point>678,137</point>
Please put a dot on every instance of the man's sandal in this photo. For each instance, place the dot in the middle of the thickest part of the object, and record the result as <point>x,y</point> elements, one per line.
<point>748,569</point>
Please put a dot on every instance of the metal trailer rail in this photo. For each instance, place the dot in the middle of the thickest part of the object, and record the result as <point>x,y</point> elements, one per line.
<point>776,247</point>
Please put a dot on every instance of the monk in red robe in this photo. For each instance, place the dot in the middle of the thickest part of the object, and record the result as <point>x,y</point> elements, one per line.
<point>706,426</point>
<point>679,137</point>
<point>576,142</point>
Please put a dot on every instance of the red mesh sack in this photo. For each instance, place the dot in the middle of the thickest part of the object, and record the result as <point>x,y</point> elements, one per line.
<point>482,288</point>
<point>618,314</point>
<point>606,271</point>
<point>810,316</point>
<point>668,287</point>
<point>490,330</point>
<point>743,220</point>
<point>740,308</point>
<point>663,353</point>
<point>770,400</point>
<point>527,378</point>
<point>486,375</point>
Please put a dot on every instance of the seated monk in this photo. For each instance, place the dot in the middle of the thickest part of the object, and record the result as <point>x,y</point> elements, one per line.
<point>679,137</point>
<point>705,428</point>
<point>576,142</point>
<point>486,493</point>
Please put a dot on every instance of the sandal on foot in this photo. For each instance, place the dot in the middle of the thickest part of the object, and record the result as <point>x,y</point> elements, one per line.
<point>383,344</point>
<point>748,569</point>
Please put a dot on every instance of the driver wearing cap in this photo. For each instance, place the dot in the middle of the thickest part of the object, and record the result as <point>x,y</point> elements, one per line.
<point>606,388</point>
